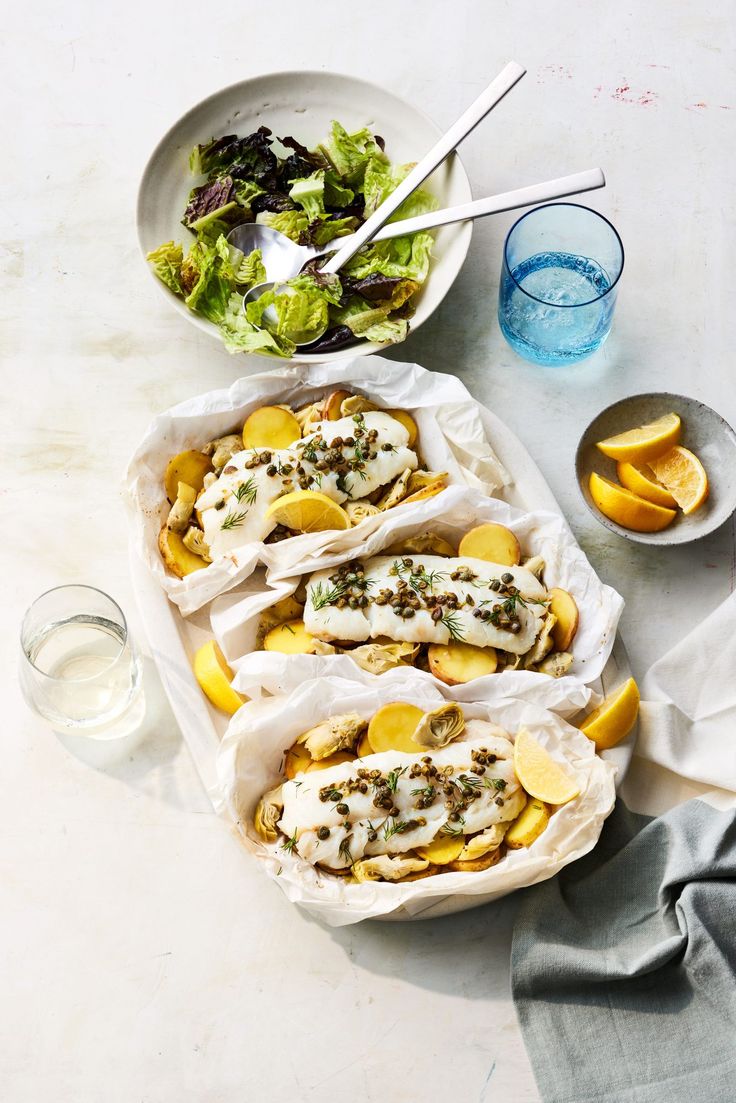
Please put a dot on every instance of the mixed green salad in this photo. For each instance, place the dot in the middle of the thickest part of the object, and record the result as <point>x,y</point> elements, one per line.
<point>314,197</point>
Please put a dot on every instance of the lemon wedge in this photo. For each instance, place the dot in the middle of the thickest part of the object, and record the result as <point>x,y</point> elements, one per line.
<point>640,480</point>
<point>684,476</point>
<point>539,774</point>
<point>613,720</point>
<point>214,677</point>
<point>627,509</point>
<point>308,511</point>
<point>645,442</point>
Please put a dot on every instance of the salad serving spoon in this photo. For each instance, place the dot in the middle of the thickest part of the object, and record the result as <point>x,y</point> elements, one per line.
<point>283,258</point>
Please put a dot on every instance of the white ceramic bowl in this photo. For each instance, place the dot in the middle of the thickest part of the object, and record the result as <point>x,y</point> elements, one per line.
<point>302,104</point>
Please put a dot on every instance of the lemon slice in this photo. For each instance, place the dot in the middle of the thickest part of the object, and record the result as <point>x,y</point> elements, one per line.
<point>641,481</point>
<point>627,509</point>
<point>308,511</point>
<point>539,774</point>
<point>684,475</point>
<point>613,720</point>
<point>645,442</point>
<point>214,677</point>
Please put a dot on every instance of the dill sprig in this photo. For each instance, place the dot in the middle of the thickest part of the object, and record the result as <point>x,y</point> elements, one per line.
<point>428,791</point>
<point>393,827</point>
<point>289,844</point>
<point>392,778</point>
<point>321,595</point>
<point>469,783</point>
<point>496,783</point>
<point>415,577</point>
<point>247,491</point>
<point>344,848</point>
<point>234,520</point>
<point>452,623</point>
<point>455,828</point>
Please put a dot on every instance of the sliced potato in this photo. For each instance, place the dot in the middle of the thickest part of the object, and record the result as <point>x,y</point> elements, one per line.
<point>443,849</point>
<point>186,467</point>
<point>176,555</point>
<point>492,542</point>
<point>296,760</point>
<point>455,663</point>
<point>332,760</point>
<point>409,424</point>
<point>288,608</point>
<point>363,747</point>
<point>528,826</point>
<point>290,638</point>
<point>420,875</point>
<point>271,427</point>
<point>333,402</point>
<point>564,607</point>
<point>392,728</point>
<point>475,865</point>
<point>422,543</point>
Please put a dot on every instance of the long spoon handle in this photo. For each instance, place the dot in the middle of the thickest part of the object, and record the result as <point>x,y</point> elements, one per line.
<point>478,110</point>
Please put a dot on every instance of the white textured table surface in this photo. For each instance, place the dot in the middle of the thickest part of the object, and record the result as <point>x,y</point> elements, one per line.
<point>143,957</point>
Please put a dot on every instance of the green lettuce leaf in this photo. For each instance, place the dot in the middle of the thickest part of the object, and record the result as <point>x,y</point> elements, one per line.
<point>371,321</point>
<point>166,262</point>
<point>245,192</point>
<point>296,312</point>
<point>349,154</point>
<point>320,233</point>
<point>240,335</point>
<point>208,272</point>
<point>335,194</point>
<point>309,193</point>
<point>402,258</point>
<point>381,179</point>
<point>291,223</point>
<point>251,270</point>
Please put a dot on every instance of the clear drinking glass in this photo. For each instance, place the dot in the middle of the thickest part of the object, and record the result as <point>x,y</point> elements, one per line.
<point>79,667</point>
<point>559,280</point>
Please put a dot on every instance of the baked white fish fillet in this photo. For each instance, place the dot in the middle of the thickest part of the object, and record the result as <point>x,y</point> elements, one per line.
<point>499,799</point>
<point>325,620</point>
<point>245,520</point>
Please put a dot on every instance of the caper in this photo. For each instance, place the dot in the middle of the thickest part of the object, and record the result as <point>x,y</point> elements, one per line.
<point>323,832</point>
<point>334,796</point>
<point>495,585</point>
<point>506,577</point>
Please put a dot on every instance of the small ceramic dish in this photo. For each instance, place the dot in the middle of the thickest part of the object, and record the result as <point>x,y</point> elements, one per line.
<point>703,431</point>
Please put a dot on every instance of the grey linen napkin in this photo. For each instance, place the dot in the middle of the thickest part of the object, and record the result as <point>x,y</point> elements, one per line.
<point>624,965</point>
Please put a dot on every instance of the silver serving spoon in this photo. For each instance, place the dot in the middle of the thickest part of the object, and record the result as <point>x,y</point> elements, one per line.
<point>283,258</point>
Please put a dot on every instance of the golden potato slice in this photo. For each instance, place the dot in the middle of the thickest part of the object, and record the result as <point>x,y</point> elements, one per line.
<point>564,607</point>
<point>290,638</point>
<point>186,467</point>
<point>176,555</point>
<point>492,542</point>
<point>331,760</point>
<point>420,874</point>
<point>455,663</point>
<point>332,404</point>
<point>392,727</point>
<point>475,865</point>
<point>296,760</point>
<point>286,609</point>
<point>270,427</point>
<point>528,826</point>
<point>409,424</point>
<point>442,850</point>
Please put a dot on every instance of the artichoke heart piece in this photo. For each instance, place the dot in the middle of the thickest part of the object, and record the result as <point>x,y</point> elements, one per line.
<point>385,868</point>
<point>358,511</point>
<point>440,727</point>
<point>356,404</point>
<point>535,564</point>
<point>308,416</point>
<point>544,643</point>
<point>557,664</point>
<point>223,449</point>
<point>338,733</point>
<point>418,480</point>
<point>377,658</point>
<point>268,813</point>
<point>478,845</point>
<point>397,491</point>
<point>195,541</point>
<point>182,508</point>
<point>422,543</point>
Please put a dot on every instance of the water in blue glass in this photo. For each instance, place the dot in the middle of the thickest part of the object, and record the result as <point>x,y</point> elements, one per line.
<point>570,322</point>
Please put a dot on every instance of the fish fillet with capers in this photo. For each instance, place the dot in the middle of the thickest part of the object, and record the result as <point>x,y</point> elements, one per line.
<point>346,459</point>
<point>428,599</point>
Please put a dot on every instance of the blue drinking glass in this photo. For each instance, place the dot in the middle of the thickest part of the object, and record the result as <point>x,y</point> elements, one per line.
<point>559,281</point>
